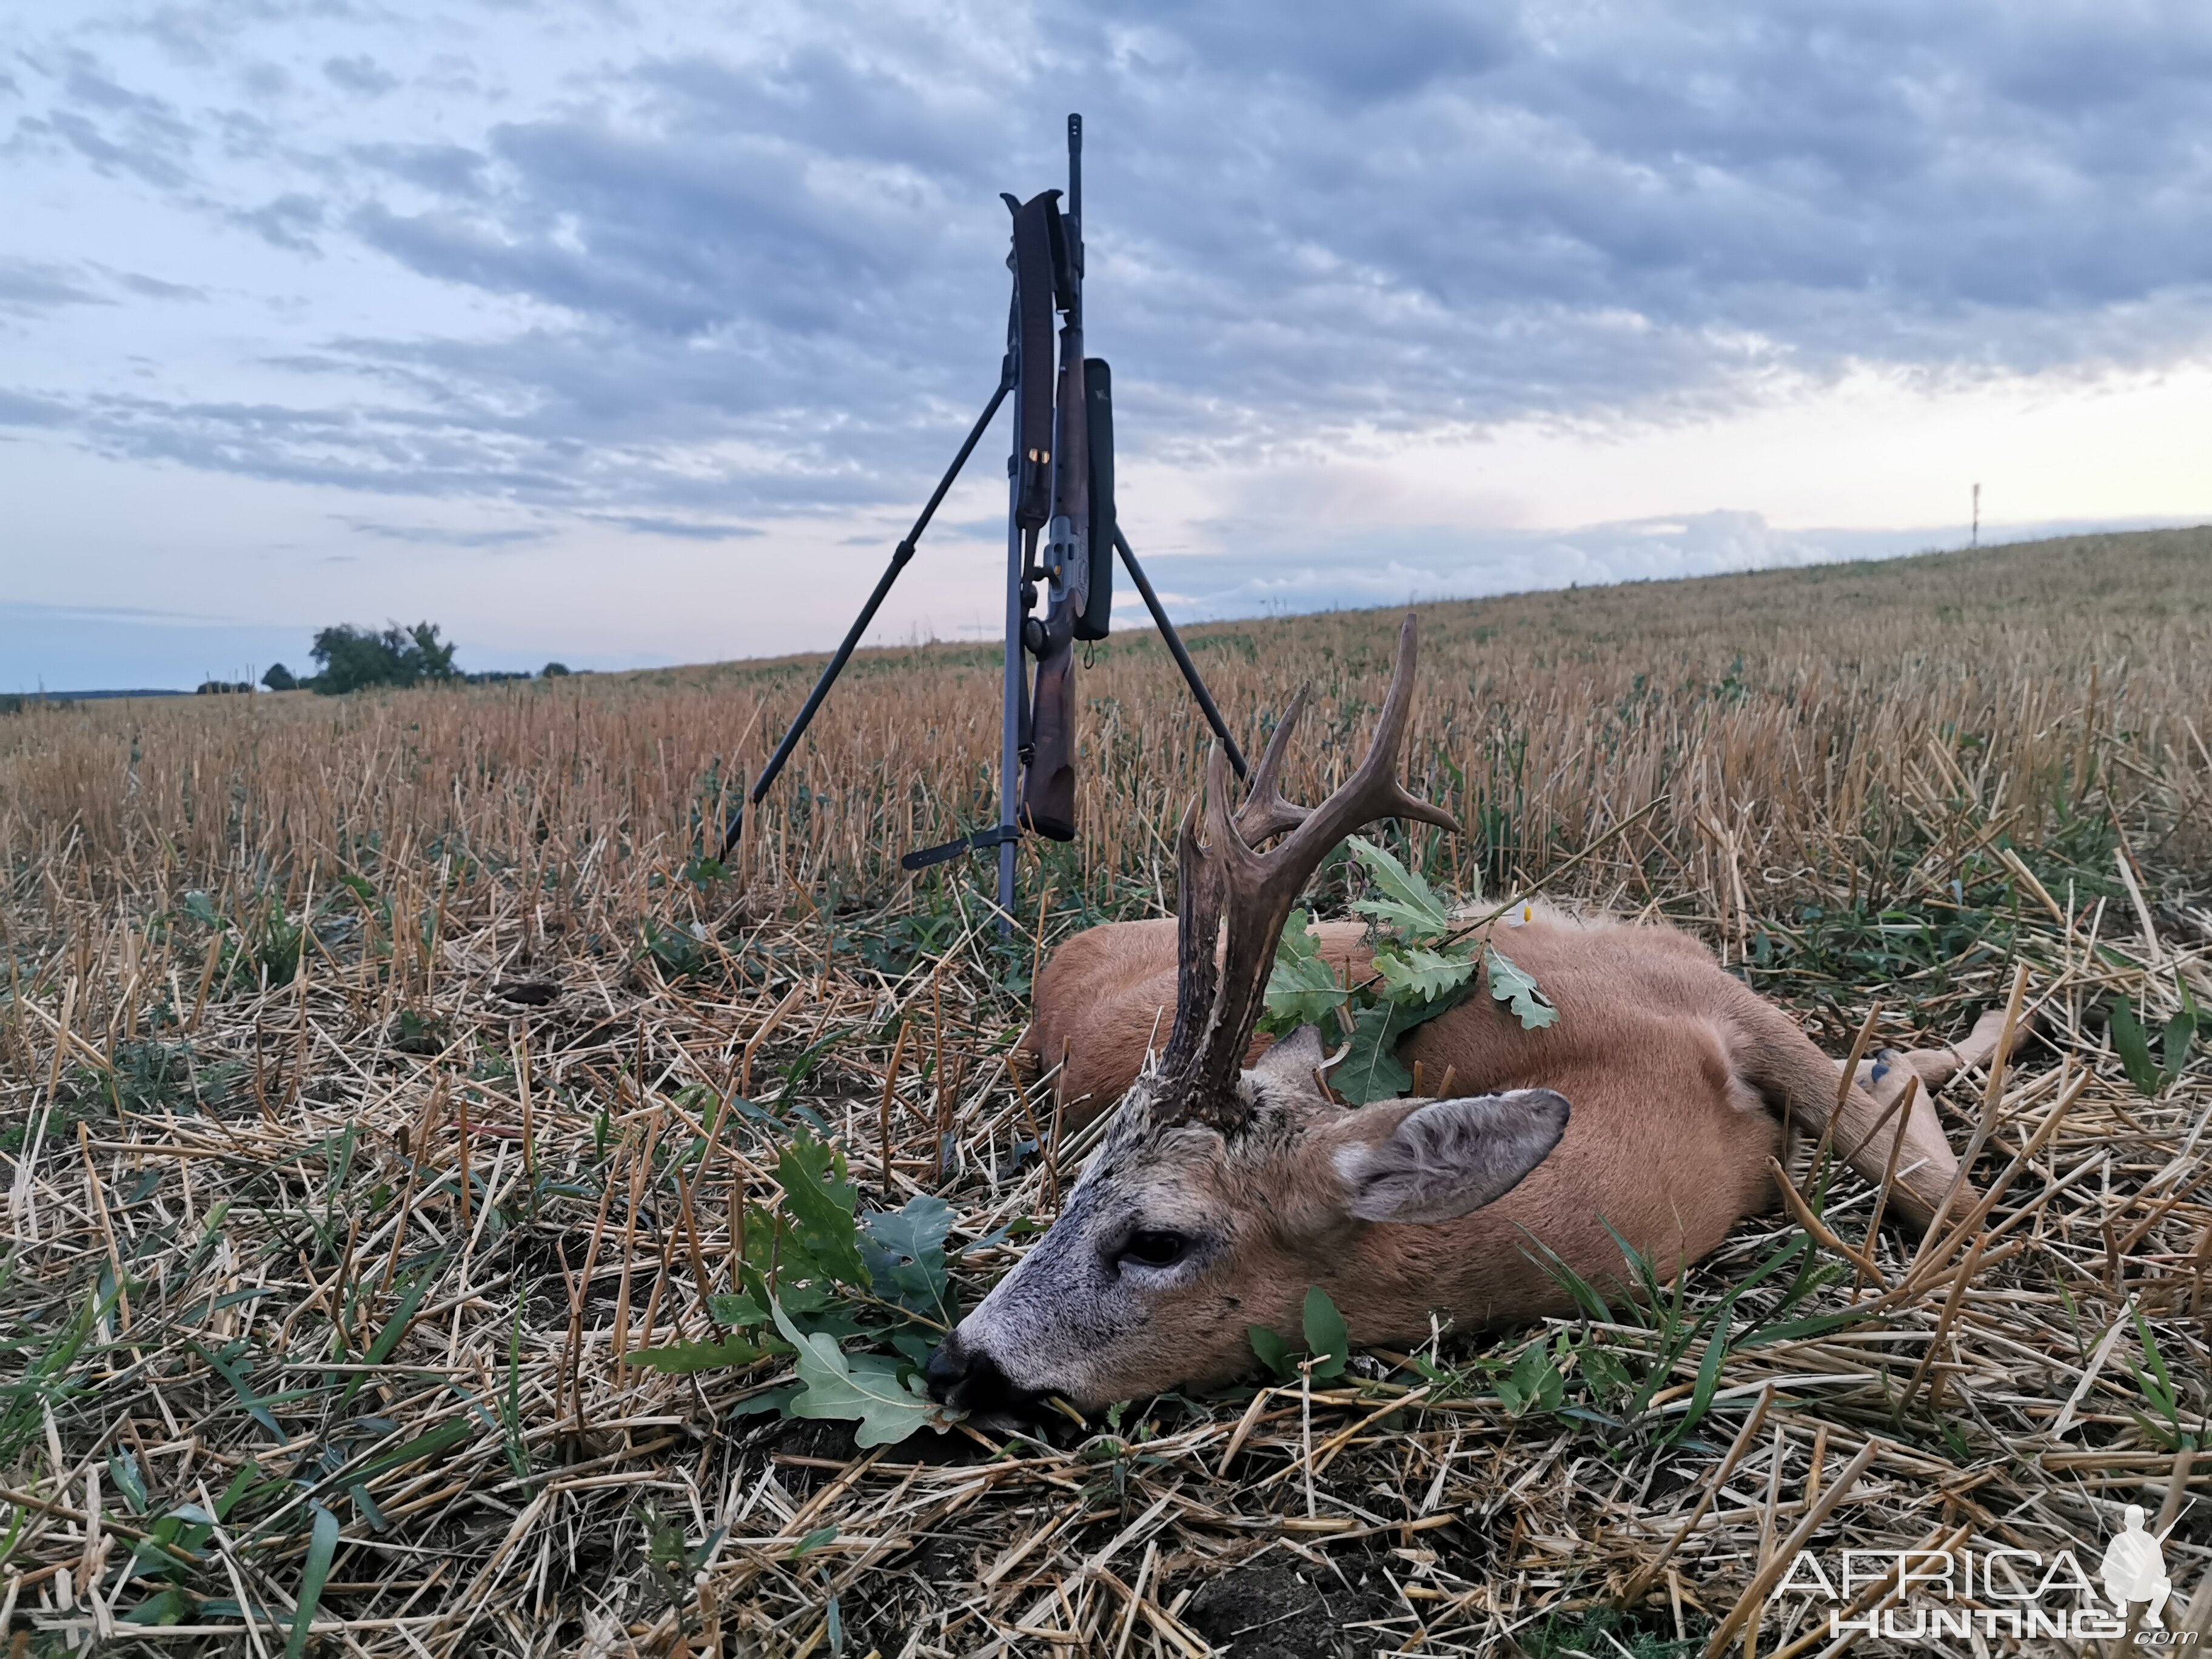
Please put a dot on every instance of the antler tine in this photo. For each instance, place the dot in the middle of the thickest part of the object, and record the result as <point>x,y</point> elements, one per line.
<point>1198,926</point>
<point>1255,890</point>
<point>1372,791</point>
<point>1265,812</point>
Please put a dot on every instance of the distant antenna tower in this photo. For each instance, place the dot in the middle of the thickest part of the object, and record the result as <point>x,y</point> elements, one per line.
<point>1975,538</point>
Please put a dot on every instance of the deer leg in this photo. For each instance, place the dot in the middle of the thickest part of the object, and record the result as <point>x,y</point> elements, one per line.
<point>1884,1077</point>
<point>1881,1076</point>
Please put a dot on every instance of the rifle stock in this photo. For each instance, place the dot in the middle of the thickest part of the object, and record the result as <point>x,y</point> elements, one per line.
<point>1048,785</point>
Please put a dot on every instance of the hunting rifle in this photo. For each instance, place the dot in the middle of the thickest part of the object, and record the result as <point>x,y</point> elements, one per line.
<point>1061,531</point>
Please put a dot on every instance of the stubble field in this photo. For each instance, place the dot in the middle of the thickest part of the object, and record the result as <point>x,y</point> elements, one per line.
<point>380,1077</point>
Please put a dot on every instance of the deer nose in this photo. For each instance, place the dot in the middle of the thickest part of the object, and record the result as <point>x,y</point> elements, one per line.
<point>969,1380</point>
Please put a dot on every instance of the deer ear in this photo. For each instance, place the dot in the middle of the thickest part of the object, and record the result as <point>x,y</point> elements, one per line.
<point>1448,1157</point>
<point>1290,1061</point>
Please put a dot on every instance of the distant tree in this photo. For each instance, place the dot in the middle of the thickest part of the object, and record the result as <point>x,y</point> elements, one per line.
<point>351,658</point>
<point>554,670</point>
<point>280,679</point>
<point>436,657</point>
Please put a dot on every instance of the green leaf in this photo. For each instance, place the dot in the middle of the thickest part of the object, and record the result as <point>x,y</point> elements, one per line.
<point>775,1400</point>
<point>684,1358</point>
<point>170,1607</point>
<point>441,1438</point>
<point>1608,1375</point>
<point>1709,1370</point>
<point>801,1068</point>
<point>1408,902</point>
<point>864,1388</point>
<point>1371,1072</point>
<point>322,1547</point>
<point>2165,1395</point>
<point>798,1297</point>
<point>914,1232</point>
<point>1520,993</point>
<point>905,1253</point>
<point>1274,1352</point>
<point>813,1540</point>
<point>2180,1032</point>
<point>1535,1383</point>
<point>1327,1336</point>
<point>1585,1294</point>
<point>820,1202</point>
<point>737,1312</point>
<point>240,1484</point>
<point>227,1299</point>
<point>387,1339</point>
<point>367,1505</point>
<point>123,1469</point>
<point>1419,975</point>
<point>1301,989</point>
<point>1792,1330</point>
<point>256,1407</point>
<point>2133,1046</point>
<point>913,1345</point>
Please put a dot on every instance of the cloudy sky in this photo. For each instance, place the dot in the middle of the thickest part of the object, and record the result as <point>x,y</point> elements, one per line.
<point>633,333</point>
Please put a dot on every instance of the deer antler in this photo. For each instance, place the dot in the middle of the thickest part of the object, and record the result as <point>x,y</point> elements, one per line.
<point>1217,1004</point>
<point>1266,813</point>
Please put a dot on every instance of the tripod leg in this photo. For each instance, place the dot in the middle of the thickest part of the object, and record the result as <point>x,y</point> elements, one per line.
<point>899,560</point>
<point>1183,657</point>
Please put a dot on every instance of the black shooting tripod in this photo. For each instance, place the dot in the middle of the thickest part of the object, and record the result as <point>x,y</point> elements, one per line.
<point>1061,484</point>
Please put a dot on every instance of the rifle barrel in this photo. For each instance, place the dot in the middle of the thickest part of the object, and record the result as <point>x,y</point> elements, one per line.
<point>1075,169</point>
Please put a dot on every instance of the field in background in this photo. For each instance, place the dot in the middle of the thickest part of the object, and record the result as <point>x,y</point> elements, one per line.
<point>364,1066</point>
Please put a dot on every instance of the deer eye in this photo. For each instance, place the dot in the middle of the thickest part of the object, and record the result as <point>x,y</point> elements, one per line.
<point>1155,1248</point>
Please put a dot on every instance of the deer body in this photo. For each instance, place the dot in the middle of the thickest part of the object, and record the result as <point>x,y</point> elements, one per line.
<point>1229,1179</point>
<point>1669,1152</point>
<point>1679,1076</point>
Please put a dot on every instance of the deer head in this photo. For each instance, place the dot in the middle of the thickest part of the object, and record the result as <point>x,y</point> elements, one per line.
<point>1219,1194</point>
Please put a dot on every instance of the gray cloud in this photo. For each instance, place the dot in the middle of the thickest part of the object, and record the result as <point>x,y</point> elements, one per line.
<point>1399,219</point>
<point>146,159</point>
<point>267,81</point>
<point>444,169</point>
<point>1401,216</point>
<point>30,285</point>
<point>681,529</point>
<point>119,128</point>
<point>448,535</point>
<point>152,287</point>
<point>17,410</point>
<point>359,74</point>
<point>288,222</point>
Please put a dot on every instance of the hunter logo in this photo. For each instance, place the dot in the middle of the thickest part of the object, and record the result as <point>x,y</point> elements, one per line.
<point>1920,1594</point>
<point>2135,1569</point>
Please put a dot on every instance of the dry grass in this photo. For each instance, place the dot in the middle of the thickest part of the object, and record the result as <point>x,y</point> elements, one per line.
<point>293,1146</point>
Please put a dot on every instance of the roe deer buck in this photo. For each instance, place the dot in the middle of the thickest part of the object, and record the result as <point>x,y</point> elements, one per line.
<point>1220,1193</point>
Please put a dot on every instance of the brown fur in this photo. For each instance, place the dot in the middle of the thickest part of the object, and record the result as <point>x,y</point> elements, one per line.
<point>1677,1076</point>
<point>1659,1049</point>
